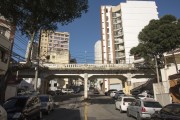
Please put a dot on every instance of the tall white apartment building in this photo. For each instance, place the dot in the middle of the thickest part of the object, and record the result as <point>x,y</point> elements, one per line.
<point>120,27</point>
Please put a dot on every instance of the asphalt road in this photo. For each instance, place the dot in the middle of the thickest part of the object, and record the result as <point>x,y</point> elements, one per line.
<point>73,107</point>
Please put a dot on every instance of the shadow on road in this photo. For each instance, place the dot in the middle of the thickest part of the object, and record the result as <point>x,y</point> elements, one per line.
<point>64,114</point>
<point>100,99</point>
<point>60,98</point>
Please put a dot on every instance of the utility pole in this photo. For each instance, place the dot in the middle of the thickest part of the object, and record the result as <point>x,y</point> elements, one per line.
<point>157,71</point>
<point>158,80</point>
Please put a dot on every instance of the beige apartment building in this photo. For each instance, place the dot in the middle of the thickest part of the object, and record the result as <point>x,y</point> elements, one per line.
<point>6,41</point>
<point>54,47</point>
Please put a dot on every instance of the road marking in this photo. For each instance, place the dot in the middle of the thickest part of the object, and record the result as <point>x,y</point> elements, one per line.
<point>85,112</point>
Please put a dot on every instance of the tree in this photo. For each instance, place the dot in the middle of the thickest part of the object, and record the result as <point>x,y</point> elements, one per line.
<point>30,16</point>
<point>158,37</point>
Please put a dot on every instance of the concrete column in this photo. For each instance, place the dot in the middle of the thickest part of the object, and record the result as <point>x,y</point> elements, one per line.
<point>85,86</point>
<point>43,86</point>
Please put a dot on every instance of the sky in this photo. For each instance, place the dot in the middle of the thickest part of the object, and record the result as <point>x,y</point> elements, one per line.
<point>85,31</point>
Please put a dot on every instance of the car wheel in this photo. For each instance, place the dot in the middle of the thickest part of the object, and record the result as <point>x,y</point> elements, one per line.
<point>120,110</point>
<point>138,117</point>
<point>128,113</point>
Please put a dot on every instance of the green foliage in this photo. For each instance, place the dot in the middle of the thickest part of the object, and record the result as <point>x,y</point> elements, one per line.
<point>32,15</point>
<point>158,37</point>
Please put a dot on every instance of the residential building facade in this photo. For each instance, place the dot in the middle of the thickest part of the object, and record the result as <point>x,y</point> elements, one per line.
<point>120,27</point>
<point>54,48</point>
<point>52,43</point>
<point>7,32</point>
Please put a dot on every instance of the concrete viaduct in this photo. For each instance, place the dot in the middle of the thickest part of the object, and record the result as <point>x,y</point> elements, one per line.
<point>86,72</point>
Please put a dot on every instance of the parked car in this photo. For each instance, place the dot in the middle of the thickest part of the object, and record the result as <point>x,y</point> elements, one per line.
<point>77,90</point>
<point>3,113</point>
<point>123,102</point>
<point>96,91</point>
<point>168,112</point>
<point>142,96</point>
<point>67,91</point>
<point>47,103</point>
<point>50,92</point>
<point>118,93</point>
<point>143,108</point>
<point>23,108</point>
<point>112,94</point>
<point>58,92</point>
<point>109,91</point>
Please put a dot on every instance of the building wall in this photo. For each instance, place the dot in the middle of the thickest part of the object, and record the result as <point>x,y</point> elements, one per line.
<point>135,16</point>
<point>59,57</point>
<point>6,41</point>
<point>120,26</point>
<point>53,41</point>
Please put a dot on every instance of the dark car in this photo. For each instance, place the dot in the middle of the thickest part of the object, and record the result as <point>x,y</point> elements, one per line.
<point>51,92</point>
<point>23,108</point>
<point>47,103</point>
<point>96,91</point>
<point>168,112</point>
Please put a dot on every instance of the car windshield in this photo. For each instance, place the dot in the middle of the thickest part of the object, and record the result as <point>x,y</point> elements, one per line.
<point>129,99</point>
<point>152,104</point>
<point>16,103</point>
<point>44,98</point>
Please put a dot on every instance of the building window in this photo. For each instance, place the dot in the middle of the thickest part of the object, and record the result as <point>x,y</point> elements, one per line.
<point>55,84</point>
<point>3,56</point>
<point>107,18</point>
<point>106,10</point>
<point>2,30</point>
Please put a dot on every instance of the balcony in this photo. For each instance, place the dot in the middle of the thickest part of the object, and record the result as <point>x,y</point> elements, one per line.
<point>5,43</point>
<point>3,67</point>
<point>119,41</point>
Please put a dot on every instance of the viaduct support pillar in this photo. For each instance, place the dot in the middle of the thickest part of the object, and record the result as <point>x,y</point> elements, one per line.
<point>44,86</point>
<point>85,86</point>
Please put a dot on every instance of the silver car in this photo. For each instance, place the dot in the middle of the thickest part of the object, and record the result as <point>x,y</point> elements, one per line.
<point>143,108</point>
<point>47,103</point>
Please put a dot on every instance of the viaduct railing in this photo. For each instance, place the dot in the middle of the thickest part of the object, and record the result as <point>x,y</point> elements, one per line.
<point>89,66</point>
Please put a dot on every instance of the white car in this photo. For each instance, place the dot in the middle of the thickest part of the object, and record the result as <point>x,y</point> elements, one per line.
<point>47,103</point>
<point>3,113</point>
<point>118,93</point>
<point>123,102</point>
<point>143,108</point>
<point>67,91</point>
<point>112,94</point>
<point>143,96</point>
